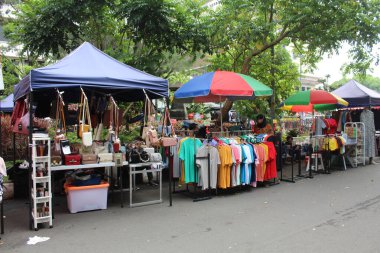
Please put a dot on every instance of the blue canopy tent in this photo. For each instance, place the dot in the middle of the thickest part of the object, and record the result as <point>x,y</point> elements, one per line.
<point>91,69</point>
<point>95,72</point>
<point>357,95</point>
<point>6,105</point>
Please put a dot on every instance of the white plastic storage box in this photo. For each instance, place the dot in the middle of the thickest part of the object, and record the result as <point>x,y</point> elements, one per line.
<point>87,198</point>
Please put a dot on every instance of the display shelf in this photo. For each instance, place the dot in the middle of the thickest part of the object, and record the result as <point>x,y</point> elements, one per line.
<point>356,138</point>
<point>40,179</point>
<point>42,219</point>
<point>41,163</point>
<point>40,200</point>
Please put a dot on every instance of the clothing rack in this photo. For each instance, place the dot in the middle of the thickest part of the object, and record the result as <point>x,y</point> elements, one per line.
<point>231,189</point>
<point>195,195</point>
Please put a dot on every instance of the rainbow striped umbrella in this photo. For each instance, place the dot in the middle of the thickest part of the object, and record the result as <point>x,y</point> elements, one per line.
<point>222,85</point>
<point>313,100</point>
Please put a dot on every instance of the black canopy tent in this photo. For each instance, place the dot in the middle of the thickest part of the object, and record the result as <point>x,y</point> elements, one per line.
<point>94,71</point>
<point>357,95</point>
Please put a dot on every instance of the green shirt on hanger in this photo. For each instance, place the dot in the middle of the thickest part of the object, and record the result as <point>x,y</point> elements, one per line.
<point>188,150</point>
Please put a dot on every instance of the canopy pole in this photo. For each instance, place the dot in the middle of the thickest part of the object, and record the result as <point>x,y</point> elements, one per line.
<point>221,115</point>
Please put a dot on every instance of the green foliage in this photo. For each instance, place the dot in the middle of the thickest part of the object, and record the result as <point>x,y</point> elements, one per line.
<point>57,27</point>
<point>13,71</point>
<point>73,138</point>
<point>369,81</point>
<point>126,136</point>
<point>149,35</point>
<point>313,27</point>
<point>293,133</point>
<point>285,77</point>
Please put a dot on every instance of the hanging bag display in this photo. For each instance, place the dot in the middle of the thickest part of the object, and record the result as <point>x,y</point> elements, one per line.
<point>168,141</point>
<point>59,116</point>
<point>22,123</point>
<point>87,136</point>
<point>83,127</point>
<point>147,125</point>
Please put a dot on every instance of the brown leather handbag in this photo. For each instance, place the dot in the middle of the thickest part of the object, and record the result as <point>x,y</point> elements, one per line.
<point>89,158</point>
<point>168,141</point>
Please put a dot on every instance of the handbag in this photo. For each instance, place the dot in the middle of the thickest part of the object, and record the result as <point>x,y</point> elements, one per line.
<point>105,157</point>
<point>149,134</point>
<point>22,123</point>
<point>138,157</point>
<point>89,159</point>
<point>56,160</point>
<point>149,150</point>
<point>83,115</point>
<point>153,138</point>
<point>168,141</point>
<point>72,159</point>
<point>155,157</point>
<point>118,159</point>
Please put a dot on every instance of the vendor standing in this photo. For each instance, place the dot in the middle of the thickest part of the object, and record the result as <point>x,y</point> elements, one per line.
<point>262,126</point>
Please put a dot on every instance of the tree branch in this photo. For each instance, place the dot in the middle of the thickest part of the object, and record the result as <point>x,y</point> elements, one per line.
<point>247,60</point>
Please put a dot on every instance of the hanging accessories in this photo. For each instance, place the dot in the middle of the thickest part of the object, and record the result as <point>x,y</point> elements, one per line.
<point>83,127</point>
<point>59,116</point>
<point>168,141</point>
<point>149,134</point>
<point>85,131</point>
<point>21,120</point>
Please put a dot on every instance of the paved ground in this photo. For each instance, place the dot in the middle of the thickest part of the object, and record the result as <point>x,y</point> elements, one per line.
<point>330,213</point>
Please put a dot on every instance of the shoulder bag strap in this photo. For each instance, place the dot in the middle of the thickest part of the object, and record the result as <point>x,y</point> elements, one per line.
<point>170,122</point>
<point>164,119</point>
<point>63,118</point>
<point>88,115</point>
<point>57,112</point>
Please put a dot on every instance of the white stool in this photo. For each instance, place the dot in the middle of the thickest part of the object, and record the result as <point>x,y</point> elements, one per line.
<point>315,156</point>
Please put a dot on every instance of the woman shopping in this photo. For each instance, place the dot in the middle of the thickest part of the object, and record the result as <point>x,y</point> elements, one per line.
<point>262,127</point>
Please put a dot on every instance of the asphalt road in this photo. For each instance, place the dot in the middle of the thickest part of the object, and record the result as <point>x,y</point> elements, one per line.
<point>339,212</point>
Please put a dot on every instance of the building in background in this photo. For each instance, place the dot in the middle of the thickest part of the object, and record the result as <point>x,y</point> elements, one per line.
<point>311,82</point>
<point>213,4</point>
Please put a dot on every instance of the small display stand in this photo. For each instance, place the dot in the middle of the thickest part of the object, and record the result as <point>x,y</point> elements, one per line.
<point>41,182</point>
<point>355,146</point>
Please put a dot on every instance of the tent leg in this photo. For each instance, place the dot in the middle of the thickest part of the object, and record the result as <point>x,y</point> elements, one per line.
<point>30,158</point>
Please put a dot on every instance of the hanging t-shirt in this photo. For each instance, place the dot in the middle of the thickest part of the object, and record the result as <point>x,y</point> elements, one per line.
<point>245,179</point>
<point>259,163</point>
<point>252,166</point>
<point>271,170</point>
<point>203,166</point>
<point>236,165</point>
<point>176,164</point>
<point>188,150</point>
<point>224,173</point>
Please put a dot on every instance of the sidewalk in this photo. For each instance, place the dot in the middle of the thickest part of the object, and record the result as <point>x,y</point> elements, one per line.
<point>330,213</point>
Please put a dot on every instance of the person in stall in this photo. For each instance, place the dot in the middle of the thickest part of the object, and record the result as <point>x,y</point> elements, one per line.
<point>289,148</point>
<point>262,126</point>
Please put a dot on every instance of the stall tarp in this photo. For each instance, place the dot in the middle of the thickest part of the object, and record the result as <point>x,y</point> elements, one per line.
<point>357,94</point>
<point>90,68</point>
<point>6,105</point>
